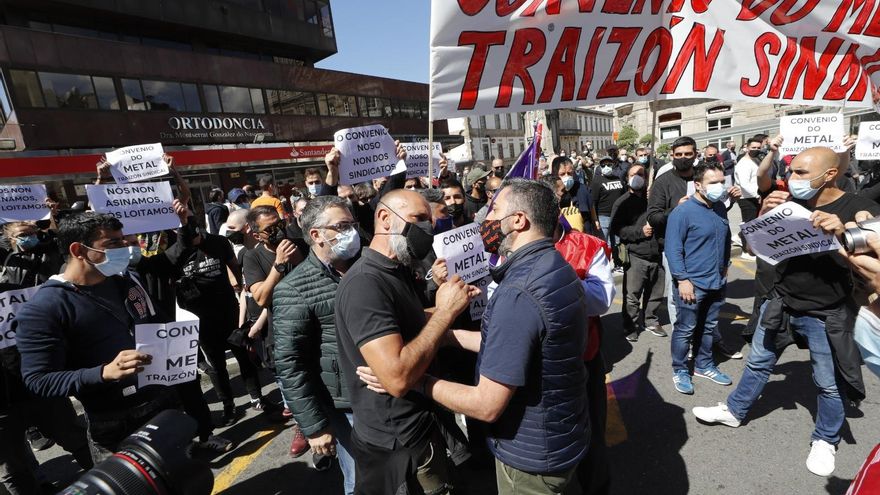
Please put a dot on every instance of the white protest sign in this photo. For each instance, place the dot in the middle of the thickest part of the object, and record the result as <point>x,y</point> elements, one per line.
<point>785,232</point>
<point>140,207</point>
<point>802,132</point>
<point>366,153</point>
<point>868,145</point>
<point>175,350</point>
<point>417,159</point>
<point>463,250</point>
<point>478,304</point>
<point>10,302</point>
<point>137,163</point>
<point>23,203</point>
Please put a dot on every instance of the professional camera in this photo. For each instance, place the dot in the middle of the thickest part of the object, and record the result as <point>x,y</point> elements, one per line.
<point>152,461</point>
<point>855,240</point>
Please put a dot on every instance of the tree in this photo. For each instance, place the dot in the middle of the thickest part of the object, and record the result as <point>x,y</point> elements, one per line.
<point>663,149</point>
<point>646,140</point>
<point>627,137</point>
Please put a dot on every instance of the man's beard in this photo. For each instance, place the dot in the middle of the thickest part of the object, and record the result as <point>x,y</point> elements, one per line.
<point>506,245</point>
<point>398,245</point>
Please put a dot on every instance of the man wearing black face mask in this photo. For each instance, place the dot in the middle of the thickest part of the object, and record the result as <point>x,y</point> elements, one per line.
<point>453,195</point>
<point>746,177</point>
<point>380,323</point>
<point>477,197</point>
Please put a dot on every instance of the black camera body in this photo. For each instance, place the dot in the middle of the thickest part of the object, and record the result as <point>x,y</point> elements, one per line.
<point>154,460</point>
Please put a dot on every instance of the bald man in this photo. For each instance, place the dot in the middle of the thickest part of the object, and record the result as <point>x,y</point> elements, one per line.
<point>381,323</point>
<point>813,293</point>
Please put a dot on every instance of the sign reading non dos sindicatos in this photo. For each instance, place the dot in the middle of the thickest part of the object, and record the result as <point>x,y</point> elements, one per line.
<point>802,132</point>
<point>868,145</point>
<point>463,250</point>
<point>366,153</point>
<point>417,159</point>
<point>140,207</point>
<point>785,232</point>
<point>175,351</point>
<point>10,302</point>
<point>137,163</point>
<point>23,203</point>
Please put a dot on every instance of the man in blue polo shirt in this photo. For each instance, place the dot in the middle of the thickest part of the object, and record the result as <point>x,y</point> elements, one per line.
<point>698,251</point>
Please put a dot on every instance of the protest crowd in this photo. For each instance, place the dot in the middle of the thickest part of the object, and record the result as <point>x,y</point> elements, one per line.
<point>416,326</point>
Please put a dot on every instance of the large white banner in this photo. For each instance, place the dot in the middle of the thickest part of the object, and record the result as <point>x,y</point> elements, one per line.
<point>175,351</point>
<point>23,203</point>
<point>10,302</point>
<point>137,163</point>
<point>490,57</point>
<point>140,207</point>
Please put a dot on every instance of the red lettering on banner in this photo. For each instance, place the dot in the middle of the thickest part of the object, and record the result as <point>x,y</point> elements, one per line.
<point>791,50</point>
<point>616,7</point>
<point>659,38</point>
<point>504,8</point>
<point>589,63</point>
<point>782,14</point>
<point>472,7</point>
<point>750,12</point>
<point>586,5</point>
<point>482,43</point>
<point>766,43</point>
<point>850,69</point>
<point>813,72</point>
<point>698,6</point>
<point>694,47</point>
<point>553,8</point>
<point>656,5</point>
<point>562,65</point>
<point>873,28</point>
<point>626,37</point>
<point>850,6</point>
<point>528,48</point>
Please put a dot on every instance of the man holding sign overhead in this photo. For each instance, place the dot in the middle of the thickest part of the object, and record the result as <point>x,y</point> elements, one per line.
<point>812,298</point>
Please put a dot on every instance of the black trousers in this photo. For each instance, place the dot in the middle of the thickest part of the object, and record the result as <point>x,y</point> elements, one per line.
<point>212,340</point>
<point>749,208</point>
<point>593,472</point>
<point>57,420</point>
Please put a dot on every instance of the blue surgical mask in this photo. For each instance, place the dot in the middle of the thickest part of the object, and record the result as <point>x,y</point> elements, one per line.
<point>606,170</point>
<point>715,192</point>
<point>348,244</point>
<point>26,243</point>
<point>115,261</point>
<point>134,256</point>
<point>568,182</point>
<point>643,160</point>
<point>867,337</point>
<point>313,189</point>
<point>802,188</point>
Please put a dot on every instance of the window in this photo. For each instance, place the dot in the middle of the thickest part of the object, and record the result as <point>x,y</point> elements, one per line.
<point>337,105</point>
<point>718,124</point>
<point>500,150</point>
<point>191,97</point>
<point>669,117</point>
<point>163,96</point>
<point>106,92</point>
<point>374,107</point>
<point>509,119</point>
<point>497,121</point>
<point>257,100</point>
<point>670,132</point>
<point>718,109</point>
<point>291,102</point>
<point>134,95</point>
<point>27,88</point>
<point>235,99</point>
<point>212,98</point>
<point>5,105</point>
<point>68,90</point>
<point>410,110</point>
<point>486,151</point>
<point>483,124</point>
<point>511,150</point>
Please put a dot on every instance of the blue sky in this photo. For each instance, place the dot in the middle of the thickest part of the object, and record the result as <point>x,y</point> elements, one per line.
<point>387,38</point>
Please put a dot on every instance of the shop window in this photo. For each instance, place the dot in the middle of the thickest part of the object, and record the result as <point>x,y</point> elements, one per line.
<point>106,92</point>
<point>235,99</point>
<point>68,90</point>
<point>163,96</point>
<point>26,88</point>
<point>134,95</point>
<point>212,98</point>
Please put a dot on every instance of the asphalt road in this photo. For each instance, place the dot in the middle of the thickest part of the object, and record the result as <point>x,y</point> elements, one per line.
<point>657,446</point>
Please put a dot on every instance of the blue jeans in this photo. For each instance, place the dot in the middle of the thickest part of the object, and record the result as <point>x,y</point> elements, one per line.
<point>605,223</point>
<point>340,424</point>
<point>762,359</point>
<point>702,314</point>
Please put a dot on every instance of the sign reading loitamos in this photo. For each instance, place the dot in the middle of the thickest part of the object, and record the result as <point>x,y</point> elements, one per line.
<point>785,232</point>
<point>366,153</point>
<point>463,250</point>
<point>137,163</point>
<point>23,203</point>
<point>10,302</point>
<point>175,351</point>
<point>140,207</point>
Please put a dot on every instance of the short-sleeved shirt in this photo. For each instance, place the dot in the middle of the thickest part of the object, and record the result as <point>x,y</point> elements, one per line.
<point>257,265</point>
<point>510,338</point>
<point>378,297</point>
<point>813,282</point>
<point>206,267</point>
<point>270,201</point>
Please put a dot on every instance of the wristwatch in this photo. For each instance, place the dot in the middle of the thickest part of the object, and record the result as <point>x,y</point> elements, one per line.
<point>281,268</point>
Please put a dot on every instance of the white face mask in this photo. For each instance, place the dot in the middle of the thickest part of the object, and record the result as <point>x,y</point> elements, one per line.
<point>313,189</point>
<point>115,261</point>
<point>637,182</point>
<point>348,244</point>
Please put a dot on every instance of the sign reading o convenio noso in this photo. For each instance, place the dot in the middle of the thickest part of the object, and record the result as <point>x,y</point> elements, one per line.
<point>366,153</point>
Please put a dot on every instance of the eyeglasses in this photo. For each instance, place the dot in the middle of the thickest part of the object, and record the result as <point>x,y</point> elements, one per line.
<point>272,229</point>
<point>340,227</point>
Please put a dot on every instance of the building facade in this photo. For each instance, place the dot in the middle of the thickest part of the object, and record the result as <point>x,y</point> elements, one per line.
<point>81,77</point>
<point>487,137</point>
<point>570,129</point>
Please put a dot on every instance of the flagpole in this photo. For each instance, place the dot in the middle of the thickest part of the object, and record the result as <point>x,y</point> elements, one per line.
<point>649,170</point>
<point>430,148</point>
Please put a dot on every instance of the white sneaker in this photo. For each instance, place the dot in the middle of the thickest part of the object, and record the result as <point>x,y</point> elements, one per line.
<point>821,459</point>
<point>716,414</point>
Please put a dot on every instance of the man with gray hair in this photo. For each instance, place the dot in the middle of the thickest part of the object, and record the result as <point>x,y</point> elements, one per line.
<point>531,372</point>
<point>306,353</point>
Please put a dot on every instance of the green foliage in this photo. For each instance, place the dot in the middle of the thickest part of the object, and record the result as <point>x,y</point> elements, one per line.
<point>627,138</point>
<point>646,140</point>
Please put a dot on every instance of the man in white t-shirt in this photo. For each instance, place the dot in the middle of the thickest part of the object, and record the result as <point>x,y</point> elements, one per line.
<point>745,175</point>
